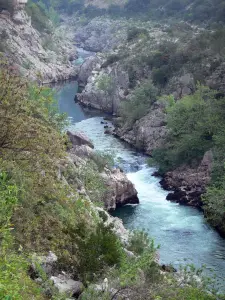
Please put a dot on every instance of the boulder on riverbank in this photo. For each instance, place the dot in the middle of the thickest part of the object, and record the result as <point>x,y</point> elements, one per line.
<point>188,184</point>
<point>79,139</point>
<point>119,190</point>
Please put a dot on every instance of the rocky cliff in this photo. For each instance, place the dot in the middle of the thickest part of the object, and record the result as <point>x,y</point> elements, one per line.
<point>174,66</point>
<point>118,190</point>
<point>44,57</point>
<point>188,184</point>
<point>101,34</point>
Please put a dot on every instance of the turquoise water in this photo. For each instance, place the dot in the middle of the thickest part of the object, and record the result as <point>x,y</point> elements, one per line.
<point>181,232</point>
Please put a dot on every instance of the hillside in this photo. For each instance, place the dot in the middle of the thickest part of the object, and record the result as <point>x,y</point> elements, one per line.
<point>143,80</point>
<point>36,52</point>
<point>163,82</point>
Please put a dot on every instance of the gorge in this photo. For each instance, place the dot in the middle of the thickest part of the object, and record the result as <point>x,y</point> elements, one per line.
<point>112,150</point>
<point>182,232</point>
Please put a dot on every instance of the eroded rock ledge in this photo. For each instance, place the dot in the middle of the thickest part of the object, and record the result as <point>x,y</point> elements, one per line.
<point>188,184</point>
<point>119,189</point>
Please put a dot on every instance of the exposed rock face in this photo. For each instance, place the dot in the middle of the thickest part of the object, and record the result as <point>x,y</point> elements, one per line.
<point>79,139</point>
<point>189,184</point>
<point>101,34</point>
<point>66,285</point>
<point>148,133</point>
<point>119,189</point>
<point>109,99</point>
<point>91,63</point>
<point>181,86</point>
<point>23,46</point>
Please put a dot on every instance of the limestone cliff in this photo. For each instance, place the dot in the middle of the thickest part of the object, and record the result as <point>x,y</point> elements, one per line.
<point>118,189</point>
<point>44,57</point>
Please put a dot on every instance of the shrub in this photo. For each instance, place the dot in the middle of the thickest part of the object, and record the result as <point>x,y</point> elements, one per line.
<point>96,251</point>
<point>140,102</point>
<point>104,83</point>
<point>111,59</point>
<point>135,32</point>
<point>160,76</point>
<point>39,19</point>
<point>103,160</point>
<point>139,241</point>
<point>194,124</point>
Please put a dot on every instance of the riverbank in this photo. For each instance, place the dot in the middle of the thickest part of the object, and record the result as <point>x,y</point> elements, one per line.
<point>182,232</point>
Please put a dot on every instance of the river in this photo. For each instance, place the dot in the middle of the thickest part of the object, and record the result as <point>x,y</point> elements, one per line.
<point>182,232</point>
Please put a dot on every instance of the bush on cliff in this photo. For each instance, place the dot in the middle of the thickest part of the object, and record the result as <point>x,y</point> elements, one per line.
<point>194,122</point>
<point>39,18</point>
<point>46,213</point>
<point>140,102</point>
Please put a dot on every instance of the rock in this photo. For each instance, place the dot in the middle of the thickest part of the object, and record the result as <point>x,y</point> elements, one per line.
<point>188,184</point>
<point>48,264</point>
<point>66,285</point>
<point>146,134</point>
<point>217,79</point>
<point>117,225</point>
<point>101,34</point>
<point>87,67</point>
<point>105,100</point>
<point>83,151</point>
<point>108,131</point>
<point>129,253</point>
<point>120,190</point>
<point>168,268</point>
<point>24,49</point>
<point>79,139</point>
<point>181,86</point>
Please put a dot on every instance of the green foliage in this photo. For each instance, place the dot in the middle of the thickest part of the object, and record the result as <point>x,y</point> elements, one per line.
<point>104,83</point>
<point>27,127</point>
<point>103,160</point>
<point>93,182</point>
<point>136,32</point>
<point>139,241</point>
<point>194,123</point>
<point>96,251</point>
<point>140,102</point>
<point>160,76</point>
<point>14,281</point>
<point>39,18</point>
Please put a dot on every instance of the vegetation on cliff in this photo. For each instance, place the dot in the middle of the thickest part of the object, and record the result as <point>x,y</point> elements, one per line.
<point>40,212</point>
